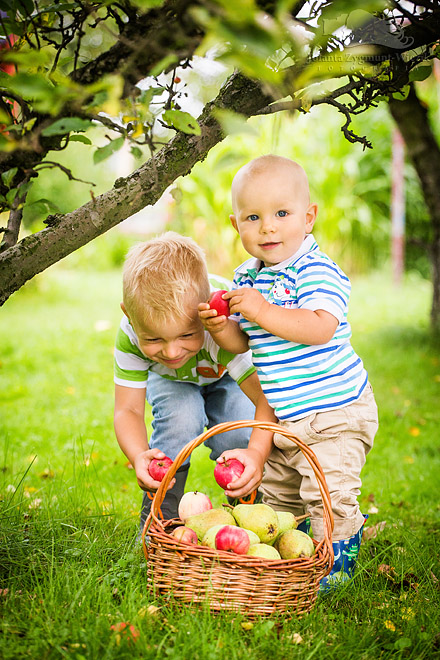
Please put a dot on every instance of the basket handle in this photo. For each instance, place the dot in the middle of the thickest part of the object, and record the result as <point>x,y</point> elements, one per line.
<point>230,426</point>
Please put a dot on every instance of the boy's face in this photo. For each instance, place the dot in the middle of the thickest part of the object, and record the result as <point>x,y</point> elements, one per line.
<point>273,213</point>
<point>171,343</point>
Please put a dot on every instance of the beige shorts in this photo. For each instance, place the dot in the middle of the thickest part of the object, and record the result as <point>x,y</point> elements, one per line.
<point>341,440</point>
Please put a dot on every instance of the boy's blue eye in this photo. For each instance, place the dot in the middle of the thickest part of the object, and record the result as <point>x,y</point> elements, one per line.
<point>253,217</point>
<point>282,214</point>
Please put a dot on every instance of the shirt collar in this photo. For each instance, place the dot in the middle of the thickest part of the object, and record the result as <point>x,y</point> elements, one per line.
<point>253,266</point>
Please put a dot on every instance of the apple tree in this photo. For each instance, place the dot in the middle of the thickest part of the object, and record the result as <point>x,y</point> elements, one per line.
<point>71,65</point>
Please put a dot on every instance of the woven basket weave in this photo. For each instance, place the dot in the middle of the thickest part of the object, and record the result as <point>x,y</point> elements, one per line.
<point>254,586</point>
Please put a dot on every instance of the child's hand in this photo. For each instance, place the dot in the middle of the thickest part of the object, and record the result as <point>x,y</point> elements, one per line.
<point>141,463</point>
<point>252,475</point>
<point>247,302</point>
<point>211,321</point>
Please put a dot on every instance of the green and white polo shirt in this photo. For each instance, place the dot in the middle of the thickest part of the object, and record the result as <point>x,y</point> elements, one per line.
<point>210,363</point>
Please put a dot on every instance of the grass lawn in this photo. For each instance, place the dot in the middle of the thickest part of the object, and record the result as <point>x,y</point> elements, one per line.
<point>69,502</point>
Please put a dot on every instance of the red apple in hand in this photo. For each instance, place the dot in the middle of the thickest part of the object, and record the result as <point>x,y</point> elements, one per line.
<point>233,539</point>
<point>221,306</point>
<point>226,472</point>
<point>159,467</point>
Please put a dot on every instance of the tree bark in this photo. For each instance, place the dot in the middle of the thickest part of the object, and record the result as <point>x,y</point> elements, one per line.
<point>412,119</point>
<point>131,194</point>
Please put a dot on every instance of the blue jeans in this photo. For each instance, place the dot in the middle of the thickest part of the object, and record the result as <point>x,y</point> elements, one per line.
<point>181,411</point>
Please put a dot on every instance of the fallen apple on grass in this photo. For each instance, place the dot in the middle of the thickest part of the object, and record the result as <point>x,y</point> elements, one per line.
<point>221,306</point>
<point>158,467</point>
<point>226,472</point>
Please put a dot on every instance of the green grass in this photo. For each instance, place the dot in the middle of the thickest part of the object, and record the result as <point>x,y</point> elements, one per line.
<point>69,504</point>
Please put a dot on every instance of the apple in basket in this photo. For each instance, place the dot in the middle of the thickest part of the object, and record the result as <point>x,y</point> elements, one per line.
<point>158,467</point>
<point>185,535</point>
<point>226,472</point>
<point>192,503</point>
<point>232,539</point>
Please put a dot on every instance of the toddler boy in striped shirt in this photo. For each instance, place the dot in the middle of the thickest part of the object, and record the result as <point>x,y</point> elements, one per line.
<point>290,305</point>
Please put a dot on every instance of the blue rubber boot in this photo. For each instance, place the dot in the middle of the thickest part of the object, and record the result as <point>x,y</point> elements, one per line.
<point>346,554</point>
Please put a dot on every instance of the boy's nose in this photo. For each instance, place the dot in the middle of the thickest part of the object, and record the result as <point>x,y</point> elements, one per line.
<point>171,350</point>
<point>267,225</point>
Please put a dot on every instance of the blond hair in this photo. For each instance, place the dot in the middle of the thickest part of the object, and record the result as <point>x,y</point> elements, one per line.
<point>161,275</point>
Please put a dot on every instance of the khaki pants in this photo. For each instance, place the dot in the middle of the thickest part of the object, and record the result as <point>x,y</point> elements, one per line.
<point>341,440</point>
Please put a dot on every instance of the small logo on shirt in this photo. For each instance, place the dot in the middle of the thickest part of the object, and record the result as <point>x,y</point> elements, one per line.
<point>281,291</point>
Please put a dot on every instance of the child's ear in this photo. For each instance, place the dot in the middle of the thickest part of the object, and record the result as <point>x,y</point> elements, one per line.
<point>311,214</point>
<point>124,310</point>
<point>233,222</point>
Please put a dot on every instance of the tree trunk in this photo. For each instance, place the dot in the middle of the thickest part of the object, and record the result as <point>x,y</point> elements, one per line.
<point>412,119</point>
<point>143,187</point>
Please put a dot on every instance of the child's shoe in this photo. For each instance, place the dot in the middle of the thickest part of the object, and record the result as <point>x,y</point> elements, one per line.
<point>346,554</point>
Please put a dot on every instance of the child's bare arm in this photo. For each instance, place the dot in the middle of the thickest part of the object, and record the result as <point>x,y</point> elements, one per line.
<point>226,333</point>
<point>260,443</point>
<point>302,326</point>
<point>131,433</point>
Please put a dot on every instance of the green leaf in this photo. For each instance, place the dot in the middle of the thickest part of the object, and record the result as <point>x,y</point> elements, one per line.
<point>104,152</point>
<point>402,94</point>
<point>420,73</point>
<point>182,121</point>
<point>233,123</point>
<point>43,206</point>
<point>165,64</point>
<point>8,176</point>
<point>136,152</point>
<point>11,195</point>
<point>80,138</point>
<point>65,125</point>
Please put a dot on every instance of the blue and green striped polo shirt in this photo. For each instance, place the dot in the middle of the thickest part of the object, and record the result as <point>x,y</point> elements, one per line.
<point>300,379</point>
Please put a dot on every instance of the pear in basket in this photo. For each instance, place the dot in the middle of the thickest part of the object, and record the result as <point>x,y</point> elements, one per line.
<point>202,522</point>
<point>259,518</point>
<point>294,543</point>
<point>286,520</point>
<point>263,550</point>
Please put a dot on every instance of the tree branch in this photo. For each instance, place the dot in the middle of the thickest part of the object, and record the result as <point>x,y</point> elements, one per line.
<point>131,194</point>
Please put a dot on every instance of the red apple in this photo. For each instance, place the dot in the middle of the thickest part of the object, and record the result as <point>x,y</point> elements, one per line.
<point>192,503</point>
<point>159,467</point>
<point>226,472</point>
<point>220,305</point>
<point>233,539</point>
<point>185,535</point>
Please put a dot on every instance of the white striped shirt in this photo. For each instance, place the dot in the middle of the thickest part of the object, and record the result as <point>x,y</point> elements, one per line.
<point>300,379</point>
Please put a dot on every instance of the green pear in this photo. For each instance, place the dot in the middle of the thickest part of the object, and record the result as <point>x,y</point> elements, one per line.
<point>253,538</point>
<point>294,543</point>
<point>209,538</point>
<point>286,520</point>
<point>202,522</point>
<point>263,550</point>
<point>258,518</point>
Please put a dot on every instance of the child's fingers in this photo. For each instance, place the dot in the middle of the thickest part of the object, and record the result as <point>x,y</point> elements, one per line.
<point>207,313</point>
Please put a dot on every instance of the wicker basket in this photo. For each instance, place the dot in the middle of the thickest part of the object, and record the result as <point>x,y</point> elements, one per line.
<point>254,586</point>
